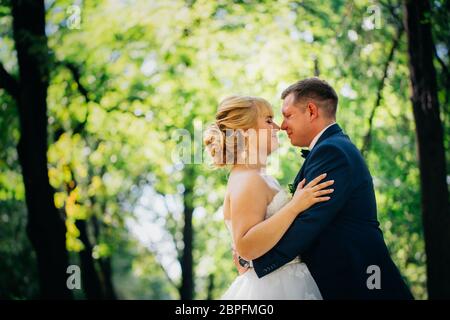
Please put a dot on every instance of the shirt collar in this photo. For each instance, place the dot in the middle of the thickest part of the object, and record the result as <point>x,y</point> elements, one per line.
<point>316,138</point>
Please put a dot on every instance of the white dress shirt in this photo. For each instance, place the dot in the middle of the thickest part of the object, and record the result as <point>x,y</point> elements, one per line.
<point>316,138</point>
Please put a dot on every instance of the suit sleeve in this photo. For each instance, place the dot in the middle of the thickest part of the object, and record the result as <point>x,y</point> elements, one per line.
<point>307,227</point>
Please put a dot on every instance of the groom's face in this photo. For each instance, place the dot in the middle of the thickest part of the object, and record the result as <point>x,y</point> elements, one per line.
<point>295,122</point>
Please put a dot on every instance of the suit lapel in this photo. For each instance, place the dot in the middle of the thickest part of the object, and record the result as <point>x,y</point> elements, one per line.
<point>331,131</point>
<point>334,129</point>
<point>299,176</point>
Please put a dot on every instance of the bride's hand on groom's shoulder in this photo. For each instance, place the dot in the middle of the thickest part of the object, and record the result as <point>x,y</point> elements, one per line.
<point>306,196</point>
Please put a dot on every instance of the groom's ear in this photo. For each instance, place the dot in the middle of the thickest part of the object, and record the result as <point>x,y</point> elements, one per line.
<point>312,110</point>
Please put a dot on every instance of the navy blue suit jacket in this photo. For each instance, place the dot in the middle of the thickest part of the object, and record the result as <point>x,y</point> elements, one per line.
<point>340,239</point>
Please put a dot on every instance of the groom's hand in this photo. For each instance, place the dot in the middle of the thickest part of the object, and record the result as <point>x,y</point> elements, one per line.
<point>240,268</point>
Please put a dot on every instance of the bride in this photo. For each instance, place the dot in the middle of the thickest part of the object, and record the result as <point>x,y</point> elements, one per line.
<point>257,211</point>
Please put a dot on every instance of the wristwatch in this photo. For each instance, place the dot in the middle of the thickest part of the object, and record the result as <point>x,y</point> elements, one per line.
<point>244,263</point>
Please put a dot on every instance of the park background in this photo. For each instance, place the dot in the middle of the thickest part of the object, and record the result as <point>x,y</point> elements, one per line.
<point>92,92</point>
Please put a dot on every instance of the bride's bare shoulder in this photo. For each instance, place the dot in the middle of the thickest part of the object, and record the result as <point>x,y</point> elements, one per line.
<point>246,182</point>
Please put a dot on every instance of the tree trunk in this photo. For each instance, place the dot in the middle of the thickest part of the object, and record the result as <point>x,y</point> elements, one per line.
<point>91,281</point>
<point>108,287</point>
<point>187,265</point>
<point>92,286</point>
<point>435,201</point>
<point>45,228</point>
<point>105,264</point>
<point>211,287</point>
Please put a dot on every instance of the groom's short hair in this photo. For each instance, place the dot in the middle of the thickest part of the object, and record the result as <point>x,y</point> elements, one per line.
<point>317,90</point>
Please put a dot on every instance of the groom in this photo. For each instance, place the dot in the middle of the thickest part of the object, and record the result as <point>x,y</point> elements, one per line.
<point>339,240</point>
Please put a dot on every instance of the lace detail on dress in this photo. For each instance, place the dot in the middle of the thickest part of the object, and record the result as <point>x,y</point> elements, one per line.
<point>278,201</point>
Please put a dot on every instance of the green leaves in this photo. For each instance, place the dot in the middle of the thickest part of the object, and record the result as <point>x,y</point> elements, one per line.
<point>158,66</point>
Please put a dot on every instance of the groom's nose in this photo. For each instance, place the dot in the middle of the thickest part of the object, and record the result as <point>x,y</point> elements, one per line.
<point>283,125</point>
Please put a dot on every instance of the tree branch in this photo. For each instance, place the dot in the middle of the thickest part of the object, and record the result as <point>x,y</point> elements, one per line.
<point>74,69</point>
<point>446,74</point>
<point>152,247</point>
<point>9,83</point>
<point>443,65</point>
<point>155,253</point>
<point>312,10</point>
<point>391,7</point>
<point>76,74</point>
<point>368,136</point>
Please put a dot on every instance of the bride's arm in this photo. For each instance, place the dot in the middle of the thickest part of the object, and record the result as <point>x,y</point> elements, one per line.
<point>254,236</point>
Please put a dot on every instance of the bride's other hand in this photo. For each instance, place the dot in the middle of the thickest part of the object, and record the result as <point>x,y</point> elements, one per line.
<point>314,192</point>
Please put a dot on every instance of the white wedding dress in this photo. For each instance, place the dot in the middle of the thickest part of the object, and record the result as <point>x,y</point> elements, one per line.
<point>293,281</point>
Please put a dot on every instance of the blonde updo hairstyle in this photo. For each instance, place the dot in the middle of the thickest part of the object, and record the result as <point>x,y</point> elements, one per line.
<point>225,139</point>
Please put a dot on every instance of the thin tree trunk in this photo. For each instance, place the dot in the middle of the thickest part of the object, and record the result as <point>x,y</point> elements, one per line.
<point>211,287</point>
<point>435,200</point>
<point>104,274</point>
<point>45,228</point>
<point>105,266</point>
<point>91,281</point>
<point>187,265</point>
<point>367,140</point>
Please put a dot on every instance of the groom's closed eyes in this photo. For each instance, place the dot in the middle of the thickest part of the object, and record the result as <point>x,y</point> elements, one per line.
<point>286,115</point>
